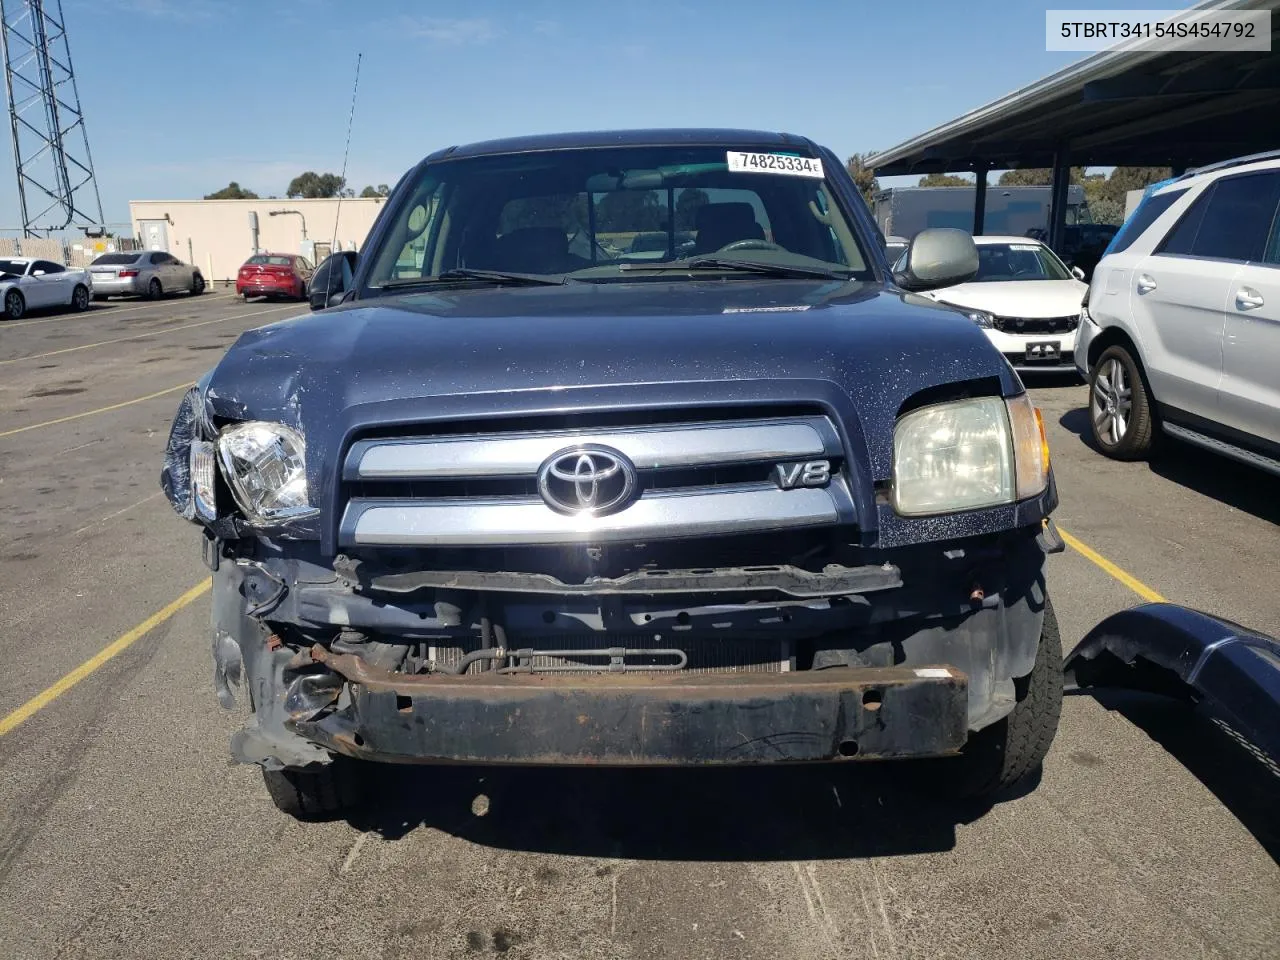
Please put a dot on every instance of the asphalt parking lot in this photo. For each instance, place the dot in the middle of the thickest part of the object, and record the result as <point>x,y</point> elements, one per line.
<point>126,832</point>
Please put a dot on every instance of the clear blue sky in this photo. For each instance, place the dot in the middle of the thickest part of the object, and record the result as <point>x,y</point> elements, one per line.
<point>182,96</point>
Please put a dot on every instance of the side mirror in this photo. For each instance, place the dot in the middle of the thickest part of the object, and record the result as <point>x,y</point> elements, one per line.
<point>1077,273</point>
<point>332,279</point>
<point>938,257</point>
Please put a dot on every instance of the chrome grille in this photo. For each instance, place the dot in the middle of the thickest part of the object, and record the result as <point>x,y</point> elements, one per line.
<point>697,478</point>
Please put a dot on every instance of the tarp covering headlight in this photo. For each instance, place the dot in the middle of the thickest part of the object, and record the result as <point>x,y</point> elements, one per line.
<point>175,476</point>
<point>265,466</point>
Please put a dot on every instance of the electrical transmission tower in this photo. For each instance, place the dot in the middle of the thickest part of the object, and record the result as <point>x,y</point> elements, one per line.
<point>56,185</point>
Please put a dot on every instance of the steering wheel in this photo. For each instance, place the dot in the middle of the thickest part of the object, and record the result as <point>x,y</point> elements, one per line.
<point>751,244</point>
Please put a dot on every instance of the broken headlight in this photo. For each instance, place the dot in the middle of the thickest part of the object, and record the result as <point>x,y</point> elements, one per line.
<point>265,466</point>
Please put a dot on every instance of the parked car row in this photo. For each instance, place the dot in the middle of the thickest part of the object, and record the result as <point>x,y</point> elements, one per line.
<point>1178,333</point>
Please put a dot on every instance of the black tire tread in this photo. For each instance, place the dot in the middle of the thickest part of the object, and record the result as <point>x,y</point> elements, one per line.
<point>1136,444</point>
<point>1004,754</point>
<point>314,791</point>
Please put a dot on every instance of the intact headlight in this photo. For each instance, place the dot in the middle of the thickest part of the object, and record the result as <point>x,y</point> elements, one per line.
<point>981,318</point>
<point>968,454</point>
<point>265,466</point>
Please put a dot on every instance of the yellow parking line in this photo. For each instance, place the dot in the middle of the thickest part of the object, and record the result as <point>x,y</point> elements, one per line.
<point>1130,581</point>
<point>141,336</point>
<point>121,643</point>
<point>90,413</point>
<point>109,312</point>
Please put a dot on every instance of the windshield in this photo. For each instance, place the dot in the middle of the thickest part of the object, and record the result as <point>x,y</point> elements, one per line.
<point>18,267</point>
<point>615,214</point>
<point>1018,261</point>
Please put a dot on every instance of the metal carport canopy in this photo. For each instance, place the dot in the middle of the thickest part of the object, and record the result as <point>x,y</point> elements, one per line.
<point>1116,108</point>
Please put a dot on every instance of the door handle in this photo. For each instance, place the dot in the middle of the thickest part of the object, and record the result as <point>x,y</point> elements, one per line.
<point>1248,299</point>
<point>1146,284</point>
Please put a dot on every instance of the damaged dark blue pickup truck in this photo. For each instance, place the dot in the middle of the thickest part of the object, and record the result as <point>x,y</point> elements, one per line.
<point>625,448</point>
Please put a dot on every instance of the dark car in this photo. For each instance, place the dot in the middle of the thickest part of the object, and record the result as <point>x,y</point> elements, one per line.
<point>274,275</point>
<point>509,498</point>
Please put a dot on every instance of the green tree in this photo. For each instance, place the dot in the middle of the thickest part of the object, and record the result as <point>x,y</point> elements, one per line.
<point>863,176</point>
<point>381,190</point>
<point>1106,210</point>
<point>311,185</point>
<point>944,180</point>
<point>1124,179</point>
<point>1036,177</point>
<point>687,204</point>
<point>232,191</point>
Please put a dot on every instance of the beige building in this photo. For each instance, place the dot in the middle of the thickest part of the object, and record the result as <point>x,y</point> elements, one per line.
<point>218,235</point>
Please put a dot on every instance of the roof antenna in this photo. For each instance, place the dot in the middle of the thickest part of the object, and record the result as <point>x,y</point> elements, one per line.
<point>345,153</point>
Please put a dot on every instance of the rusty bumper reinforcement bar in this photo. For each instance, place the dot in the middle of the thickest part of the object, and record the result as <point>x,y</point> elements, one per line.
<point>644,719</point>
<point>832,580</point>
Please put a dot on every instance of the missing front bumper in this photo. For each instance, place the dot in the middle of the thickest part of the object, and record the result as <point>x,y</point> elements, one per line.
<point>612,719</point>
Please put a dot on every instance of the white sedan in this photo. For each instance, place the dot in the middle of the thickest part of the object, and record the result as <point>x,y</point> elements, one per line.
<point>1026,300</point>
<point>26,284</point>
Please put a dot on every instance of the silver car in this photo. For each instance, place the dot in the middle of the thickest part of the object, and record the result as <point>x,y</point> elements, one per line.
<point>144,273</point>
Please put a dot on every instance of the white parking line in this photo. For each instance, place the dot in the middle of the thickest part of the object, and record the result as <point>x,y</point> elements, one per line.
<point>110,312</point>
<point>144,336</point>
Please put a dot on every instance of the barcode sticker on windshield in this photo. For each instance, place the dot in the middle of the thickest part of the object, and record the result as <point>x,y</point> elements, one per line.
<point>774,163</point>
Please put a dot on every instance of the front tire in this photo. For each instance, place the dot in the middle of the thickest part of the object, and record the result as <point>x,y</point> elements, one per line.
<point>80,299</point>
<point>15,305</point>
<point>1119,406</point>
<point>154,290</point>
<point>197,285</point>
<point>316,791</point>
<point>1007,753</point>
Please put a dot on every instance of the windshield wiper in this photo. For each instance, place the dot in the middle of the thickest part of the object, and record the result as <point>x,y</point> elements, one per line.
<point>493,276</point>
<point>744,266</point>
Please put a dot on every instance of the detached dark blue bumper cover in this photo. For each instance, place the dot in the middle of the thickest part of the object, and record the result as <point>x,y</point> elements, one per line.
<point>1165,648</point>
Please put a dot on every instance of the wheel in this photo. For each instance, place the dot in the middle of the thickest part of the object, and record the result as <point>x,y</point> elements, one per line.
<point>154,290</point>
<point>197,285</point>
<point>317,790</point>
<point>80,299</point>
<point>1009,751</point>
<point>1119,407</point>
<point>15,305</point>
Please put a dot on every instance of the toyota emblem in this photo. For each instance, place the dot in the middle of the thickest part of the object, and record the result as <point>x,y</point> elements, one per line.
<point>587,481</point>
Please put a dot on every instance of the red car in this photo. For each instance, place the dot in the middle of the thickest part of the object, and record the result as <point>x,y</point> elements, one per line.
<point>274,275</point>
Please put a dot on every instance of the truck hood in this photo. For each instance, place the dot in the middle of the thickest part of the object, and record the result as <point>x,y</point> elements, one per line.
<point>465,355</point>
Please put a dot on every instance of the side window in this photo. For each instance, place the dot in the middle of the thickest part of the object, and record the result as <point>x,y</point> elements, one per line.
<point>1146,214</point>
<point>1182,238</point>
<point>158,258</point>
<point>1234,221</point>
<point>47,267</point>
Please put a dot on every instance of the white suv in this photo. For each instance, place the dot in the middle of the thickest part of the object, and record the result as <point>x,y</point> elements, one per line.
<point>1180,330</point>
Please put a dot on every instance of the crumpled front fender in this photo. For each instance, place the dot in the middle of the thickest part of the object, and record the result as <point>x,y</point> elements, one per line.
<point>1169,649</point>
